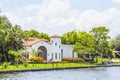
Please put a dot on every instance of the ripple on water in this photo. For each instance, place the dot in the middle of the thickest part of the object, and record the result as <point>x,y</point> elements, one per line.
<point>105,73</point>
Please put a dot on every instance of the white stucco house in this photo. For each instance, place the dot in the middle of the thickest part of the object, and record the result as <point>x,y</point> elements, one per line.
<point>50,51</point>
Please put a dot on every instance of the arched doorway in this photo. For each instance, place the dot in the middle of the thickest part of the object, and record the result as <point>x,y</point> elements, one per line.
<point>43,52</point>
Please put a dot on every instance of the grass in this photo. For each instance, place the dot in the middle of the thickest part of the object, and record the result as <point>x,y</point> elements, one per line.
<point>100,60</point>
<point>43,66</point>
<point>55,65</point>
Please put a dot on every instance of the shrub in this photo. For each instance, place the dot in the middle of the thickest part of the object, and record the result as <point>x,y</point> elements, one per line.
<point>55,61</point>
<point>25,64</point>
<point>36,59</point>
<point>5,65</point>
<point>88,60</point>
<point>64,62</point>
<point>99,63</point>
<point>73,59</point>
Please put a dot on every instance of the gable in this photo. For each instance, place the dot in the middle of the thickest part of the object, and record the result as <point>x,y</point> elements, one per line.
<point>32,41</point>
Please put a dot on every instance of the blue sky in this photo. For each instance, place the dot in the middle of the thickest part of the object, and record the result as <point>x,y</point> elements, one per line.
<point>59,16</point>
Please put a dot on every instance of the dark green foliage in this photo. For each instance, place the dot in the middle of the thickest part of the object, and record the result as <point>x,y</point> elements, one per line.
<point>84,43</point>
<point>11,38</point>
<point>101,43</point>
<point>35,34</point>
<point>69,37</point>
<point>4,22</point>
<point>94,43</point>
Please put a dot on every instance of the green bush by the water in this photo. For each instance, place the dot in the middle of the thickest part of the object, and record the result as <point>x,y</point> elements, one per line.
<point>5,65</point>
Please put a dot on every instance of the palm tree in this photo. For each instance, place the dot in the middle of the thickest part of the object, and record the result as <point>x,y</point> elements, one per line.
<point>16,55</point>
<point>34,53</point>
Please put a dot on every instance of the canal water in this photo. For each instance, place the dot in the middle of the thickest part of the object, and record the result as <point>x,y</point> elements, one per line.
<point>102,73</point>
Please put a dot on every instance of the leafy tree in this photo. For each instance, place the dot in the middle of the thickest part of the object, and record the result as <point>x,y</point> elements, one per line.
<point>44,36</point>
<point>84,44</point>
<point>11,38</point>
<point>15,38</point>
<point>4,26</point>
<point>35,34</point>
<point>16,55</point>
<point>101,44</point>
<point>2,44</point>
<point>4,22</point>
<point>69,37</point>
<point>31,33</point>
<point>115,43</point>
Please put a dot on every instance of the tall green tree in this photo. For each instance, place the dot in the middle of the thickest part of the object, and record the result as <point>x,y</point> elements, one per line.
<point>115,43</point>
<point>11,38</point>
<point>14,40</point>
<point>4,22</point>
<point>44,36</point>
<point>35,34</point>
<point>69,37</point>
<point>31,33</point>
<point>84,44</point>
<point>101,43</point>
<point>4,26</point>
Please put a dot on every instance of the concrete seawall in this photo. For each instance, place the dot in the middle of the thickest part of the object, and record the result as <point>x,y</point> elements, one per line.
<point>50,69</point>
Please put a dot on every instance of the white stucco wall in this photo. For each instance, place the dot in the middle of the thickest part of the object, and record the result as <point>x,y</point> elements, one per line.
<point>68,51</point>
<point>56,43</point>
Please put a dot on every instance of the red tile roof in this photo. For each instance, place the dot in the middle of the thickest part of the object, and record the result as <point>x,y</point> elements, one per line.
<point>32,41</point>
<point>55,36</point>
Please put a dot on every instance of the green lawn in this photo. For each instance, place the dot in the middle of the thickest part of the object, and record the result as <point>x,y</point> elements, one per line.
<point>100,60</point>
<point>55,65</point>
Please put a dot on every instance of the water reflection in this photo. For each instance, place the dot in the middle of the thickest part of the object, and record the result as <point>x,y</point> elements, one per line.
<point>106,73</point>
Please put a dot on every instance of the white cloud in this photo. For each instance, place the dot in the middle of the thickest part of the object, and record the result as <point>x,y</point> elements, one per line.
<point>58,16</point>
<point>109,18</point>
<point>116,1</point>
